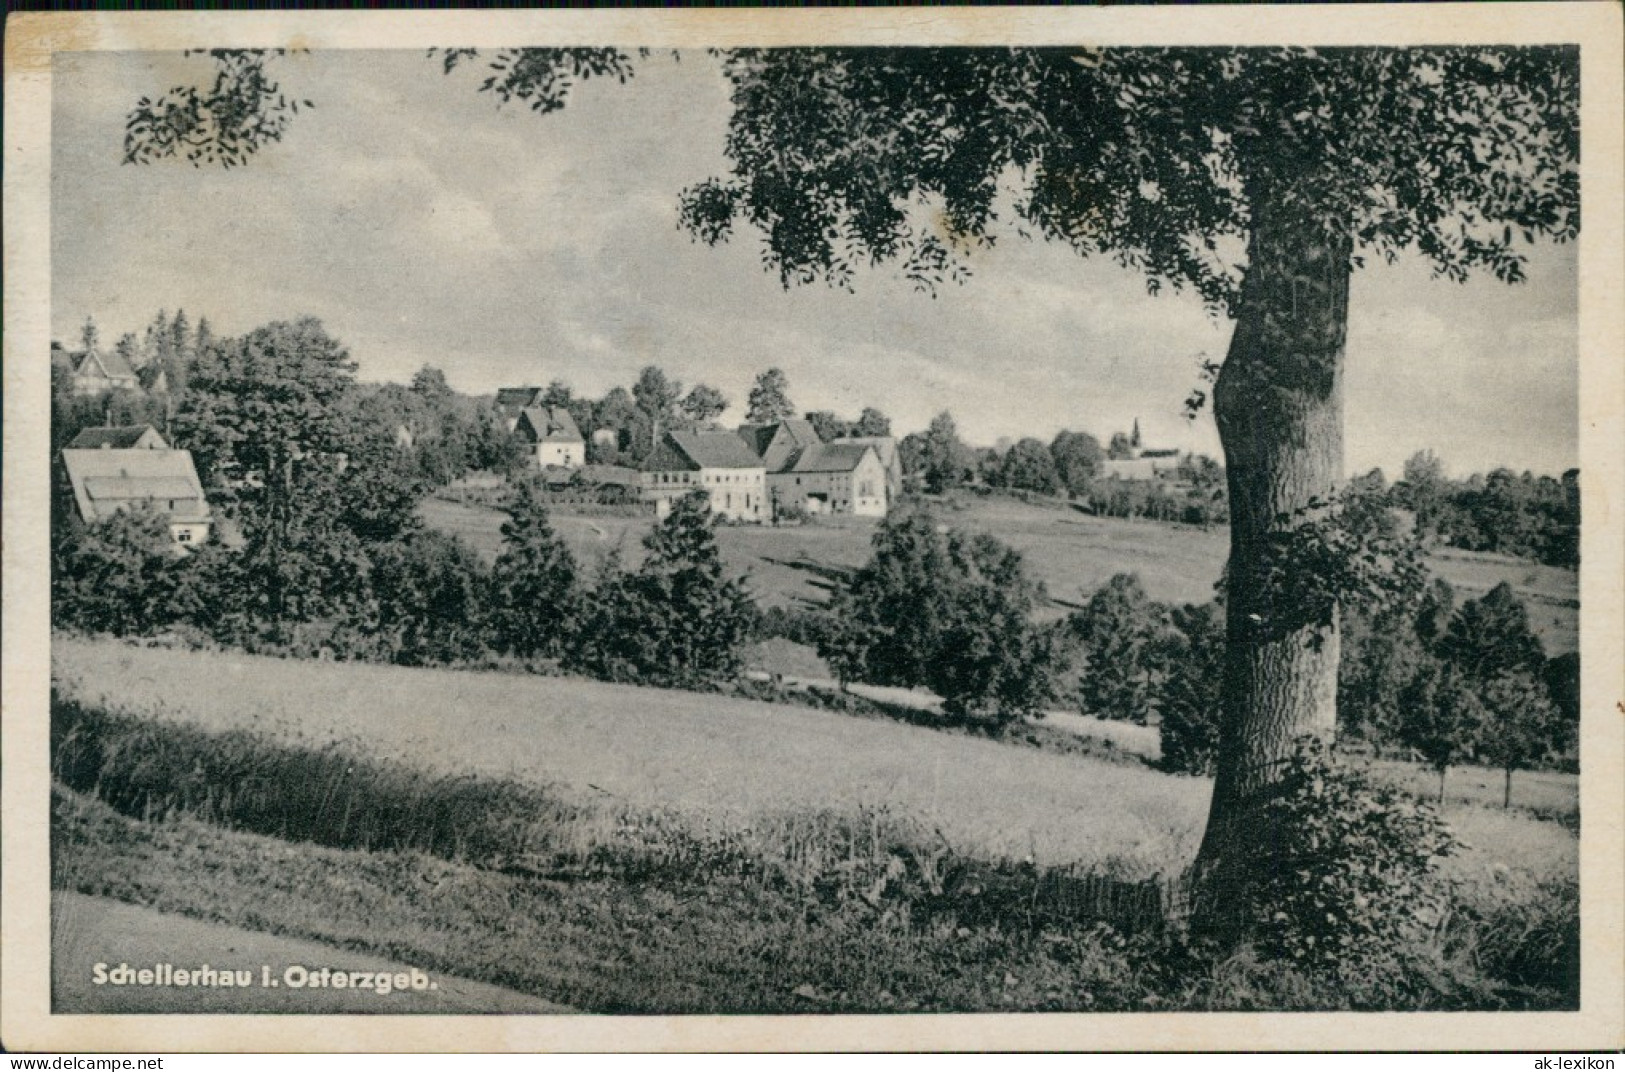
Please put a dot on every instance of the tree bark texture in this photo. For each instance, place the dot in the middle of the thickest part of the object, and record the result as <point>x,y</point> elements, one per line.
<point>1278,402</point>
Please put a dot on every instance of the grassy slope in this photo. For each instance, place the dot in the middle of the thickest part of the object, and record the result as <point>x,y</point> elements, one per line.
<point>1071,552</point>
<point>715,759</point>
<point>708,756</point>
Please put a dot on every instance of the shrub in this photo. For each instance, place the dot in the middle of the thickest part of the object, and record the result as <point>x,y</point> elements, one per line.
<point>116,575</point>
<point>798,624</point>
<point>1353,879</point>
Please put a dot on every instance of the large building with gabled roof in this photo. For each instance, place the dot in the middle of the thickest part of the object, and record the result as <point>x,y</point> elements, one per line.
<point>719,464</point>
<point>846,476</point>
<point>552,436</point>
<point>832,478</point>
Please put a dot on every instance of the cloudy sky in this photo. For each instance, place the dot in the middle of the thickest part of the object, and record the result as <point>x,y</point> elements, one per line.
<point>423,224</point>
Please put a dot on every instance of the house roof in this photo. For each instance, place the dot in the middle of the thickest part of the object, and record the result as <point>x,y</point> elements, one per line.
<point>107,480</point>
<point>702,450</point>
<point>111,364</point>
<point>777,444</point>
<point>838,457</point>
<point>123,437</point>
<point>518,397</point>
<point>885,447</point>
<point>548,424</point>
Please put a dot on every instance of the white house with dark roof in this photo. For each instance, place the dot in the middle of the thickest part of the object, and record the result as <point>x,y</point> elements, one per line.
<point>847,476</point>
<point>552,436</point>
<point>105,480</point>
<point>832,478</point>
<point>717,463</point>
<point>890,461</point>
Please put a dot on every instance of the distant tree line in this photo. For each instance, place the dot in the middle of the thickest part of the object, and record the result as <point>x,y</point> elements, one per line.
<point>1509,513</point>
<point>1070,466</point>
<point>1517,514</point>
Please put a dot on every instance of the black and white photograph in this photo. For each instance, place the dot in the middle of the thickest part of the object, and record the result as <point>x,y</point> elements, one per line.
<point>591,523</point>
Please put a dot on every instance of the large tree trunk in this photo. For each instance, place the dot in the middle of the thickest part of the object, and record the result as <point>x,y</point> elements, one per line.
<point>1279,407</point>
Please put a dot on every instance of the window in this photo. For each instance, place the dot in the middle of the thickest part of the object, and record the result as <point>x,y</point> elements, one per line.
<point>183,535</point>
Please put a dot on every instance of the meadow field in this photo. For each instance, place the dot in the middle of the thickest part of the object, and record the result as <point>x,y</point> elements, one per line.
<point>720,760</point>
<point>713,758</point>
<point>620,849</point>
<point>1071,552</point>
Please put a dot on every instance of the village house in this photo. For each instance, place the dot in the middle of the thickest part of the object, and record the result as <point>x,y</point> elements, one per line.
<point>832,478</point>
<point>847,476</point>
<point>890,461</point>
<point>552,436</point>
<point>106,478</point>
<point>716,463</point>
<point>94,372</point>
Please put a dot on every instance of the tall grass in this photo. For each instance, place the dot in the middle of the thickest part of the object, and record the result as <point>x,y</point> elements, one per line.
<point>333,794</point>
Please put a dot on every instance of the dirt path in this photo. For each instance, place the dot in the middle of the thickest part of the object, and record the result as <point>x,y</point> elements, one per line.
<point>88,931</point>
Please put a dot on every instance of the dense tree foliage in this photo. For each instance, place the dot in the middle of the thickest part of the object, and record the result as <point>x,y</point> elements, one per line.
<point>1491,636</point>
<point>938,456</point>
<point>430,600</point>
<point>1508,513</point>
<point>1028,466</point>
<point>119,575</point>
<point>703,403</point>
<point>534,585</point>
<point>1121,642</point>
<point>1191,698</point>
<point>1077,457</point>
<point>676,621</point>
<point>1441,717</point>
<point>938,608</point>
